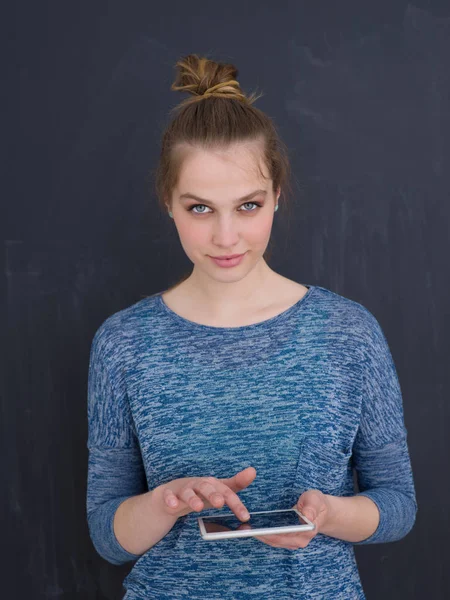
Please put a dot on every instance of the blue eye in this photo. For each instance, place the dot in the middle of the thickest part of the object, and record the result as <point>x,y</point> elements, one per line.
<point>257,204</point>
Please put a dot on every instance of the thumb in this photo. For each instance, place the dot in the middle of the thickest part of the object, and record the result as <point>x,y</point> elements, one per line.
<point>309,513</point>
<point>308,505</point>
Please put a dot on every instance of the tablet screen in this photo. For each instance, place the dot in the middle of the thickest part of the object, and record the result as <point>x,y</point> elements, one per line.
<point>279,518</point>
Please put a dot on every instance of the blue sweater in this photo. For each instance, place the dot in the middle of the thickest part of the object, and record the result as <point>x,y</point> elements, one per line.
<point>305,397</point>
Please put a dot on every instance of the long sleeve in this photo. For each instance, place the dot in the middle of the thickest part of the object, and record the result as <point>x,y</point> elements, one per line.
<point>380,454</point>
<point>115,467</point>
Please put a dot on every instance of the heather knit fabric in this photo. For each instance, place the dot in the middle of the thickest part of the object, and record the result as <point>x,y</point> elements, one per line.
<point>305,397</point>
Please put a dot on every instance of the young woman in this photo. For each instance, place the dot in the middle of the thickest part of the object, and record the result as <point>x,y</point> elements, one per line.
<point>238,388</point>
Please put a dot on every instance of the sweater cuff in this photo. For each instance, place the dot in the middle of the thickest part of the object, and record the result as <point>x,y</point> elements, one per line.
<point>397,515</point>
<point>101,529</point>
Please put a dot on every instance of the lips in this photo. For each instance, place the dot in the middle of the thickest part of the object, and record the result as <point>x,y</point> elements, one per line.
<point>227,257</point>
<point>229,262</point>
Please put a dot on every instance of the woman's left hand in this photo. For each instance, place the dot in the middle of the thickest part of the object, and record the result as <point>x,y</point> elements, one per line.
<point>315,506</point>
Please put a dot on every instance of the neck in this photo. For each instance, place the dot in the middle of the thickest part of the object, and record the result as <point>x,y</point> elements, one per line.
<point>221,298</point>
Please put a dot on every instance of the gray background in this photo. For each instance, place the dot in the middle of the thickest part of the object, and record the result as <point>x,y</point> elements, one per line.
<point>360,94</point>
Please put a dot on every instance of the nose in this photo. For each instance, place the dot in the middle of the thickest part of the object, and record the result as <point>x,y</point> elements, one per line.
<point>226,232</point>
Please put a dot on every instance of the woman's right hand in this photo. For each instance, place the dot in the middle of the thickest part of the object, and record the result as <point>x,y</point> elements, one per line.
<point>182,496</point>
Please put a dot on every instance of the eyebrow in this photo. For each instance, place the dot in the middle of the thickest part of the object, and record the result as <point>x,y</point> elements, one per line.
<point>243,199</point>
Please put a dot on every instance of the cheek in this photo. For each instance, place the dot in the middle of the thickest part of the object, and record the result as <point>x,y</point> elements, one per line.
<point>260,231</point>
<point>194,239</point>
<point>191,234</point>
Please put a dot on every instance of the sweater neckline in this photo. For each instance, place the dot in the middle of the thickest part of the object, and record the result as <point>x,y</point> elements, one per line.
<point>259,325</point>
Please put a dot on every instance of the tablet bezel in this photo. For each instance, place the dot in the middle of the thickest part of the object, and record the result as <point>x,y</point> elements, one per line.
<point>223,535</point>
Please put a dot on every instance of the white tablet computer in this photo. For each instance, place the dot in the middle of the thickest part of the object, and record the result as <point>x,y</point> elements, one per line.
<point>266,522</point>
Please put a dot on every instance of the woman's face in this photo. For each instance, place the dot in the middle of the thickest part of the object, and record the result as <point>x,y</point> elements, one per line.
<point>217,212</point>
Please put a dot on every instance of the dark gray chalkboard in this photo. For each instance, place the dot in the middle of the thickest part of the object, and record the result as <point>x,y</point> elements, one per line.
<point>361,95</point>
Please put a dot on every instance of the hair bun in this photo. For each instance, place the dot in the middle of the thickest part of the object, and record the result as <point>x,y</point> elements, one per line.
<point>203,77</point>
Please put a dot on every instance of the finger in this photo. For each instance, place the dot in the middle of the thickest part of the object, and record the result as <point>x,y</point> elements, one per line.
<point>273,539</point>
<point>208,489</point>
<point>170,498</point>
<point>310,504</point>
<point>309,512</point>
<point>242,479</point>
<point>188,495</point>
<point>234,502</point>
<point>281,541</point>
<point>266,539</point>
